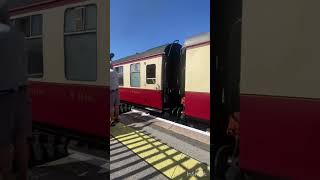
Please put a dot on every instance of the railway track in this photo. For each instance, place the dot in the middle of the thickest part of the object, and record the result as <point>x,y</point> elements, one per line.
<point>124,108</point>
<point>47,147</point>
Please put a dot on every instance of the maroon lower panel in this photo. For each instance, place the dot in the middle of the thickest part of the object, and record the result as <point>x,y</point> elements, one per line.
<point>144,97</point>
<point>81,108</point>
<point>280,136</point>
<point>197,105</point>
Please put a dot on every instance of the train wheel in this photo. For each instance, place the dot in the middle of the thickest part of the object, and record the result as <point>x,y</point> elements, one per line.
<point>128,108</point>
<point>81,144</point>
<point>62,147</point>
<point>37,150</point>
<point>125,108</point>
<point>182,119</point>
<point>222,161</point>
<point>176,112</point>
<point>66,147</point>
<point>49,147</point>
<point>121,108</point>
<point>166,115</point>
<point>234,172</point>
<point>179,110</point>
<point>173,111</point>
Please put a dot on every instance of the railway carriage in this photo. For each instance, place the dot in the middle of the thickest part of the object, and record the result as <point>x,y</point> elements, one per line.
<point>68,51</point>
<point>170,79</point>
<point>280,87</point>
<point>149,79</point>
<point>196,86</point>
<point>275,60</point>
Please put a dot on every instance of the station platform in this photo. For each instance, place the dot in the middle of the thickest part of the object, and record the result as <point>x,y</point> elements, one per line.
<point>147,147</point>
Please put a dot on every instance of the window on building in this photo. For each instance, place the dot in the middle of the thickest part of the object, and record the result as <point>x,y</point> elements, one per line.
<point>135,75</point>
<point>31,26</point>
<point>151,74</point>
<point>119,70</point>
<point>81,43</point>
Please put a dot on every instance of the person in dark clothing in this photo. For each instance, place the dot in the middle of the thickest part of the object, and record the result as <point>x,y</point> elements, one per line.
<point>15,114</point>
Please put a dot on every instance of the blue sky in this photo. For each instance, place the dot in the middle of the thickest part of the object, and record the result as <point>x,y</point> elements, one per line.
<point>138,25</point>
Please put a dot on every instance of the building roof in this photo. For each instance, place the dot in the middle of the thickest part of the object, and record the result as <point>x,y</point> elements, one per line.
<point>197,39</point>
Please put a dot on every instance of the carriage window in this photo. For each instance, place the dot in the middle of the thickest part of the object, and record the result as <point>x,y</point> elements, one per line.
<point>151,74</point>
<point>31,26</point>
<point>35,57</point>
<point>119,70</point>
<point>81,43</point>
<point>74,19</point>
<point>90,18</point>
<point>23,25</point>
<point>36,25</point>
<point>135,75</point>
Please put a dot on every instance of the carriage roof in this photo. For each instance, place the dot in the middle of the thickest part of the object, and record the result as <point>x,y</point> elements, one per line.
<point>18,3</point>
<point>197,39</point>
<point>149,52</point>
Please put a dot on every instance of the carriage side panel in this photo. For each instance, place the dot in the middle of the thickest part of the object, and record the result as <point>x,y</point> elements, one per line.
<point>280,87</point>
<point>197,81</point>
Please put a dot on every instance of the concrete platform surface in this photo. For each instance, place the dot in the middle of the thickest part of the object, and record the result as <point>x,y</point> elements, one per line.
<point>141,149</point>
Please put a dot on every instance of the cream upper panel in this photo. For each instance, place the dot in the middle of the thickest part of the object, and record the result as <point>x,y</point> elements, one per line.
<point>53,43</point>
<point>280,48</point>
<point>198,69</point>
<point>143,84</point>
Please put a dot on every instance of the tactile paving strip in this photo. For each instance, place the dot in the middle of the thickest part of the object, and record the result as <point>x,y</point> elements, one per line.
<point>170,162</point>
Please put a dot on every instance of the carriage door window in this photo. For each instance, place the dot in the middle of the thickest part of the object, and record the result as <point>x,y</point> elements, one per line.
<point>31,26</point>
<point>119,70</point>
<point>151,74</point>
<point>80,40</point>
<point>135,75</point>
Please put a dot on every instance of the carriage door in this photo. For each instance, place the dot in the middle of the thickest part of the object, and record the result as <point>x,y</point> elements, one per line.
<point>151,81</point>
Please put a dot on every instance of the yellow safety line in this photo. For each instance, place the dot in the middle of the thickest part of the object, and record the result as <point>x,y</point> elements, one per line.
<point>170,162</point>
